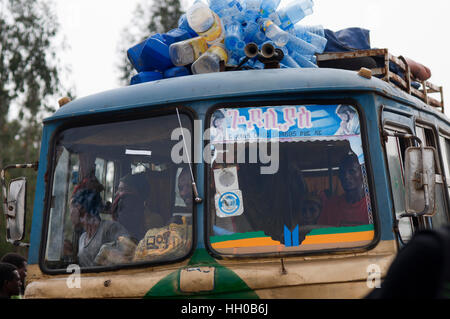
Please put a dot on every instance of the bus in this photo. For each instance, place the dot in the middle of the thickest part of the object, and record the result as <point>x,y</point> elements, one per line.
<point>271,183</point>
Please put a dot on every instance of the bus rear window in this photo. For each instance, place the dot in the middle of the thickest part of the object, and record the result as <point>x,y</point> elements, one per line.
<point>287,178</point>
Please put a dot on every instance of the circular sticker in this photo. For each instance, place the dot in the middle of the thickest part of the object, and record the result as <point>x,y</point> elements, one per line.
<point>229,203</point>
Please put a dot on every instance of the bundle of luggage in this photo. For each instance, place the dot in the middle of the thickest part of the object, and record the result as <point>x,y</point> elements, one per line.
<point>231,35</point>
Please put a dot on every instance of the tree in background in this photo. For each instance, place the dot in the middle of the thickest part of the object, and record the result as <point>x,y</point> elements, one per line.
<point>29,82</point>
<point>149,17</point>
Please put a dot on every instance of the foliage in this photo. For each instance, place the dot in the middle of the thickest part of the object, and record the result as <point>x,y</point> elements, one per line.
<point>29,80</point>
<point>148,18</point>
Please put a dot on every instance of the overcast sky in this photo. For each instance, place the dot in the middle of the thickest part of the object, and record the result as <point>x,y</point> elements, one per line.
<point>412,28</point>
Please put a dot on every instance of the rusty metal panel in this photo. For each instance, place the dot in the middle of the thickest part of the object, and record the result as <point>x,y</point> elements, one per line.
<point>348,55</point>
<point>303,277</point>
<point>388,76</point>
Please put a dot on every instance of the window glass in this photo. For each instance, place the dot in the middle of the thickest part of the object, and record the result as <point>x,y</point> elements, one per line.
<point>445,147</point>
<point>114,195</point>
<point>440,218</point>
<point>420,133</point>
<point>395,163</point>
<point>287,178</point>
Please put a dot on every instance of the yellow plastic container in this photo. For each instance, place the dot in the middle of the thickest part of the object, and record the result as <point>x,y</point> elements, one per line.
<point>187,51</point>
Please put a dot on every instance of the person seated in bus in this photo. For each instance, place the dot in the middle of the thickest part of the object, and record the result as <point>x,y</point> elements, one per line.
<point>71,246</point>
<point>128,207</point>
<point>349,209</point>
<point>97,232</point>
<point>174,239</point>
<point>310,210</point>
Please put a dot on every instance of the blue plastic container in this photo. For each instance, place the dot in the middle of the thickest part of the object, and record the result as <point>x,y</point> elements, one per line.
<point>183,24</point>
<point>259,37</point>
<point>268,7</point>
<point>290,14</point>
<point>176,35</point>
<point>234,59</point>
<point>134,56</point>
<point>315,40</point>
<point>232,8</point>
<point>303,61</point>
<point>233,37</point>
<point>251,23</point>
<point>315,29</point>
<point>274,33</point>
<point>300,46</point>
<point>155,54</point>
<point>142,77</point>
<point>289,62</point>
<point>176,71</point>
<point>253,5</point>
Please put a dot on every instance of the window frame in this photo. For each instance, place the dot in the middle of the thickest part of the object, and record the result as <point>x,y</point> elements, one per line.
<point>443,150</point>
<point>391,126</point>
<point>99,119</point>
<point>294,101</point>
<point>425,125</point>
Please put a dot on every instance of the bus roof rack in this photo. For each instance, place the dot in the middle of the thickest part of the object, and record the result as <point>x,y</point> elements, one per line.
<point>387,75</point>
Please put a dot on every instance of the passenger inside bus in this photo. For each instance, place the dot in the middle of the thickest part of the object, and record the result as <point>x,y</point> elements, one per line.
<point>128,207</point>
<point>310,210</point>
<point>173,239</point>
<point>71,246</point>
<point>349,209</point>
<point>97,232</point>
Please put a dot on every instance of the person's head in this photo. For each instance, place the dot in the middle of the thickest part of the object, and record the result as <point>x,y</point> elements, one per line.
<point>136,184</point>
<point>20,262</point>
<point>185,186</point>
<point>350,173</point>
<point>91,183</point>
<point>345,112</point>
<point>311,209</point>
<point>88,204</point>
<point>10,282</point>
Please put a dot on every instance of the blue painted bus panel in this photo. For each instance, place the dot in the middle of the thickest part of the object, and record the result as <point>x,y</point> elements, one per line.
<point>41,186</point>
<point>235,83</point>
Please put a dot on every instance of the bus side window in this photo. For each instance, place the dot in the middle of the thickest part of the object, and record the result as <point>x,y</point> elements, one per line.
<point>445,147</point>
<point>440,218</point>
<point>395,150</point>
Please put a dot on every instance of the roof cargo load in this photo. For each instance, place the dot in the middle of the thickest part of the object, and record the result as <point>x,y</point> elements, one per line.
<point>400,71</point>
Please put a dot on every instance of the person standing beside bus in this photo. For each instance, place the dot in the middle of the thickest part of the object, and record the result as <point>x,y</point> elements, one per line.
<point>21,263</point>
<point>9,281</point>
